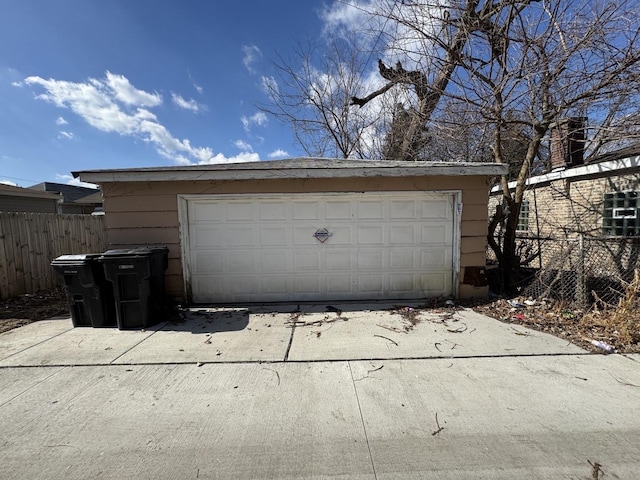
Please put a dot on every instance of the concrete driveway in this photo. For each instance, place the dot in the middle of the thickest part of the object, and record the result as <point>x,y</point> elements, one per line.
<point>367,391</point>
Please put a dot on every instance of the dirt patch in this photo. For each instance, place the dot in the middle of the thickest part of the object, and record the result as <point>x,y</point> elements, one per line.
<point>24,309</point>
<point>610,327</point>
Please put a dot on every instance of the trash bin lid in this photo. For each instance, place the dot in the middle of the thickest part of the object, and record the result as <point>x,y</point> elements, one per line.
<point>75,259</point>
<point>132,252</point>
<point>116,252</point>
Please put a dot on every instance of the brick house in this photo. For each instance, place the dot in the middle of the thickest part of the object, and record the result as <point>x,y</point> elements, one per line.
<point>600,198</point>
<point>582,217</point>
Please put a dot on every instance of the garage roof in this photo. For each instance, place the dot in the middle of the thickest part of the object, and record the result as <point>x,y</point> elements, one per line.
<point>292,168</point>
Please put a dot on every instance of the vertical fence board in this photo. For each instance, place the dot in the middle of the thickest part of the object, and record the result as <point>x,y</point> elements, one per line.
<point>9,289</point>
<point>4,275</point>
<point>17,256</point>
<point>30,241</point>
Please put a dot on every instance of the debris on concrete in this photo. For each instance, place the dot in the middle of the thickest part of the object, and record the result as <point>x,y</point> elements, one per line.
<point>439,428</point>
<point>386,338</point>
<point>603,346</point>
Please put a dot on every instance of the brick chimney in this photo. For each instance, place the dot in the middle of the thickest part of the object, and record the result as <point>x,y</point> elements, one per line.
<point>567,142</point>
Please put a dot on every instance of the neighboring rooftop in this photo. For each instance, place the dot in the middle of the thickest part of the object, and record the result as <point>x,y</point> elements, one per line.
<point>618,162</point>
<point>26,192</point>
<point>71,193</point>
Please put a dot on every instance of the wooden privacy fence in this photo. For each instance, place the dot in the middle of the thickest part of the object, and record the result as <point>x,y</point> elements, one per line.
<point>30,241</point>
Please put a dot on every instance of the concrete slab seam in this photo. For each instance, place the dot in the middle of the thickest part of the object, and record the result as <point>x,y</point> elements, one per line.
<point>286,354</point>
<point>32,387</point>
<point>335,360</point>
<point>36,344</point>
<point>364,427</point>
<point>134,346</point>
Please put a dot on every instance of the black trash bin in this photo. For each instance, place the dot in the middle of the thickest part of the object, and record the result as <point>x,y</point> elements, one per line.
<point>90,295</point>
<point>137,276</point>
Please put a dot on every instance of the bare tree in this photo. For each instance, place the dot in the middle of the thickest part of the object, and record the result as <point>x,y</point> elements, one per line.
<point>520,66</point>
<point>312,94</point>
<point>562,59</point>
<point>445,31</point>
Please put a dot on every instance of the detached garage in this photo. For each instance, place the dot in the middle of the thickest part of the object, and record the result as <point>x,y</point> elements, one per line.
<point>306,229</point>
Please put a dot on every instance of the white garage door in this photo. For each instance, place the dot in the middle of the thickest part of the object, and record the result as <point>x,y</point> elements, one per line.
<point>355,246</point>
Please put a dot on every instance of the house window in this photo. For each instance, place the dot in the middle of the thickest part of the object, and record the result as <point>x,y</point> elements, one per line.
<point>620,214</point>
<point>523,217</point>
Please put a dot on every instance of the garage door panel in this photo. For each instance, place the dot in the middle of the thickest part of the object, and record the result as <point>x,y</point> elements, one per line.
<point>274,261</point>
<point>206,237</point>
<point>338,284</point>
<point>371,234</point>
<point>382,245</point>
<point>306,210</point>
<point>435,258</point>
<point>307,285</point>
<point>439,283</point>
<point>245,286</point>
<point>239,262</point>
<point>207,262</point>
<point>306,260</point>
<point>402,210</point>
<point>339,259</point>
<point>275,285</point>
<point>370,284</point>
<point>369,259</point>
<point>236,211</point>
<point>202,283</point>
<point>338,210</point>
<point>273,211</point>
<point>303,235</point>
<point>371,210</point>
<point>341,235</point>
<point>401,258</point>
<point>402,234</point>
<point>274,236</point>
<point>206,212</point>
<point>237,235</point>
<point>435,234</point>
<point>402,283</point>
<point>435,209</point>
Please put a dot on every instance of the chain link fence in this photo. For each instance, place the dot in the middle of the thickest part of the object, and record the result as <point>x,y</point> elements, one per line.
<point>579,271</point>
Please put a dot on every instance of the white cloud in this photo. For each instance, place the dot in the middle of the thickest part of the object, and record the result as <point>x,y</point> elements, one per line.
<point>198,88</point>
<point>258,118</point>
<point>244,146</point>
<point>251,54</point>
<point>345,15</point>
<point>269,85</point>
<point>278,154</point>
<point>127,93</point>
<point>17,84</point>
<point>368,22</point>
<point>67,135</point>
<point>61,121</point>
<point>190,104</point>
<point>69,180</point>
<point>9,182</point>
<point>114,105</point>
<point>240,158</point>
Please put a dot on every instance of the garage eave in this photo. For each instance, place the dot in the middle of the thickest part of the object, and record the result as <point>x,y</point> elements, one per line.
<point>288,169</point>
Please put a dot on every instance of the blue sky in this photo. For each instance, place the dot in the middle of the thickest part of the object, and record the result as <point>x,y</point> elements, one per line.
<point>88,84</point>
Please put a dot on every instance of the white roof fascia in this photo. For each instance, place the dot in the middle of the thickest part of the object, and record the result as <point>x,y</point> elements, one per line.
<point>169,174</point>
<point>610,166</point>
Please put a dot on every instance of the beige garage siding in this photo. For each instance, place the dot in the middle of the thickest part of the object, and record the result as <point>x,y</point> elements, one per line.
<point>146,213</point>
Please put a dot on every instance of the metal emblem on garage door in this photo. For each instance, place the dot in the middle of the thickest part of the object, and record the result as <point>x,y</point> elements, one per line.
<point>322,235</point>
